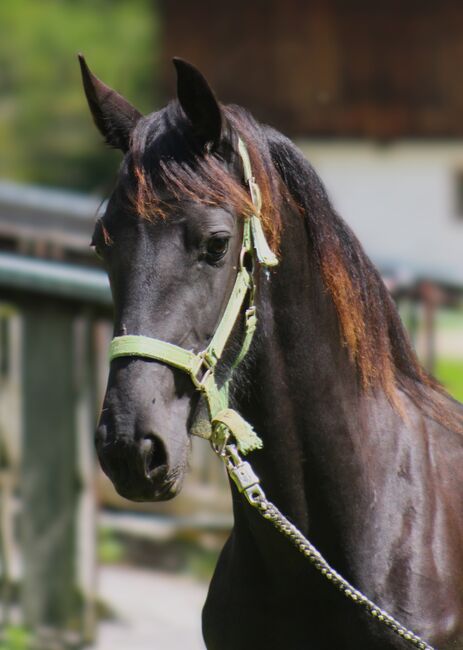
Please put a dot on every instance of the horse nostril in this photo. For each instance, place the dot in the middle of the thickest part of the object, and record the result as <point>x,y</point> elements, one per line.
<point>147,446</point>
<point>154,455</point>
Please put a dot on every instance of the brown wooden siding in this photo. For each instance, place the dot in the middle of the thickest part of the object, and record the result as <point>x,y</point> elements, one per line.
<point>328,67</point>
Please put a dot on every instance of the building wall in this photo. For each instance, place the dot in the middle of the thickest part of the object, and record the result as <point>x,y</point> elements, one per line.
<point>333,68</point>
<point>400,199</point>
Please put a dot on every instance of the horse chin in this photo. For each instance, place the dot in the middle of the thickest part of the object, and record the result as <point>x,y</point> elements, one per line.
<point>170,490</point>
<point>151,490</point>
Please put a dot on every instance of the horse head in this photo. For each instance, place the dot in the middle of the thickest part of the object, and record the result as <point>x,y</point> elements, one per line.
<point>170,241</point>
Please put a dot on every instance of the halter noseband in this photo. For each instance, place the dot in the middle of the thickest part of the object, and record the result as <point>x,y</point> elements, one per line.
<point>201,367</point>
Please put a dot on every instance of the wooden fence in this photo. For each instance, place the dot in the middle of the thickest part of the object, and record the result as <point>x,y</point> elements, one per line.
<point>55,326</point>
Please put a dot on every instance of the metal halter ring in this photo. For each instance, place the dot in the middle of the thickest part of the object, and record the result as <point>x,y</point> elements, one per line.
<point>204,364</point>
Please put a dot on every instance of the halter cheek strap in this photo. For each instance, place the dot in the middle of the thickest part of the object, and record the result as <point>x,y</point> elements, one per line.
<point>201,367</point>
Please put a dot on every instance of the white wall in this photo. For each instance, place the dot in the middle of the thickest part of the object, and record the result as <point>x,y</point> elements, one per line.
<point>399,199</point>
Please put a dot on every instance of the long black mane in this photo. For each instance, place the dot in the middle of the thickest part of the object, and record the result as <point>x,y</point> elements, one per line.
<point>165,159</point>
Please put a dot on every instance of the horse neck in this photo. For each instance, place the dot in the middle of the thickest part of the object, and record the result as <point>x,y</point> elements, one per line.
<point>303,393</point>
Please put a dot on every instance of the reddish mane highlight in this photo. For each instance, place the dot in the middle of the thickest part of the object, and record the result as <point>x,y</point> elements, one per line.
<point>203,178</point>
<point>369,324</point>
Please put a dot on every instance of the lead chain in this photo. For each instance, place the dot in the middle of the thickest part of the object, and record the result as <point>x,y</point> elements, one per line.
<point>242,474</point>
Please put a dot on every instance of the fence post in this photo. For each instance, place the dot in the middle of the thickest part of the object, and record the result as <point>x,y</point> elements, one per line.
<point>51,476</point>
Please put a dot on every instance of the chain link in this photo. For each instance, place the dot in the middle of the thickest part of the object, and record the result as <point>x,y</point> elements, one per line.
<point>248,484</point>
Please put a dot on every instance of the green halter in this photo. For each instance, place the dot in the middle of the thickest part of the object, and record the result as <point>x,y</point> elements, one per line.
<point>201,367</point>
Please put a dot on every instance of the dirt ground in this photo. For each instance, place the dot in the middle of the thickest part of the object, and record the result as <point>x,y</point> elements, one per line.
<point>154,610</point>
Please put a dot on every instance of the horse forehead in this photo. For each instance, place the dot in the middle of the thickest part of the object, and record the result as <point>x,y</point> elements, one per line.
<point>190,214</point>
<point>208,218</point>
<point>120,214</point>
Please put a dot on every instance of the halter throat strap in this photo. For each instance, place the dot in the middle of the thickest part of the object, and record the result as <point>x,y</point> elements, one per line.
<point>201,366</point>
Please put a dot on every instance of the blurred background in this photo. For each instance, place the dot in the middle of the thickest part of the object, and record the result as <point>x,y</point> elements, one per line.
<point>372,94</point>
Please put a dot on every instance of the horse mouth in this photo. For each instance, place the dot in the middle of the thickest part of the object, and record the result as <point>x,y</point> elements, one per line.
<point>144,482</point>
<point>149,489</point>
<point>141,472</point>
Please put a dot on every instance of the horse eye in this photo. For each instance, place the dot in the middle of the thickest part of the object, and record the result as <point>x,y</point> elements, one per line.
<point>217,247</point>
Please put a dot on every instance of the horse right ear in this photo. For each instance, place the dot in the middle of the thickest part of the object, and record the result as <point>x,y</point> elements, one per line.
<point>198,103</point>
<point>113,115</point>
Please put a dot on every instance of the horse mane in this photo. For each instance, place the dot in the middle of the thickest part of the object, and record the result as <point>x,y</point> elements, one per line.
<point>165,159</point>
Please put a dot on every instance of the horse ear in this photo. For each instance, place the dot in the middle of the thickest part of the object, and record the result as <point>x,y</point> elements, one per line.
<point>113,115</point>
<point>198,103</point>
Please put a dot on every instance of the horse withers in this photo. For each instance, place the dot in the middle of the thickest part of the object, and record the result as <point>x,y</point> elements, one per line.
<point>362,449</point>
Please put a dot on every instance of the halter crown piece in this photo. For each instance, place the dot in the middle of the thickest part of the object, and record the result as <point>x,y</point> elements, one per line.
<point>201,366</point>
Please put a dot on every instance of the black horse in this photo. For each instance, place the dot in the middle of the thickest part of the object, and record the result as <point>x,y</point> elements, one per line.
<point>363,450</point>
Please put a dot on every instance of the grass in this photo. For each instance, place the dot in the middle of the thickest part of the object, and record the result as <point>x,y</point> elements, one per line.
<point>448,370</point>
<point>185,553</point>
<point>450,373</point>
<point>15,638</point>
<point>450,319</point>
<point>111,549</point>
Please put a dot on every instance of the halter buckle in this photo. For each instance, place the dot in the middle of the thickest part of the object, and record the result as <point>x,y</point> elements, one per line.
<point>256,196</point>
<point>205,366</point>
<point>251,318</point>
<point>243,252</point>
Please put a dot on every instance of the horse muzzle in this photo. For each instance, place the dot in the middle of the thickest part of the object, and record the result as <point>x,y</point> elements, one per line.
<point>139,468</point>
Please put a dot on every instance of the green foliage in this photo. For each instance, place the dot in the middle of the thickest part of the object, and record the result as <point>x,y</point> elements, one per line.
<point>111,549</point>
<point>46,132</point>
<point>15,638</point>
<point>200,562</point>
<point>450,373</point>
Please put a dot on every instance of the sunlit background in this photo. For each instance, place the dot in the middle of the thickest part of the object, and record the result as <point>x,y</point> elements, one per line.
<point>372,94</point>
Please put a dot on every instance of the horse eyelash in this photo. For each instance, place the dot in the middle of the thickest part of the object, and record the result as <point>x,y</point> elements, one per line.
<point>106,236</point>
<point>96,240</point>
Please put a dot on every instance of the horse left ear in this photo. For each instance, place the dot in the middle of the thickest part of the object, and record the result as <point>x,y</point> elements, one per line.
<point>198,103</point>
<point>113,115</point>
